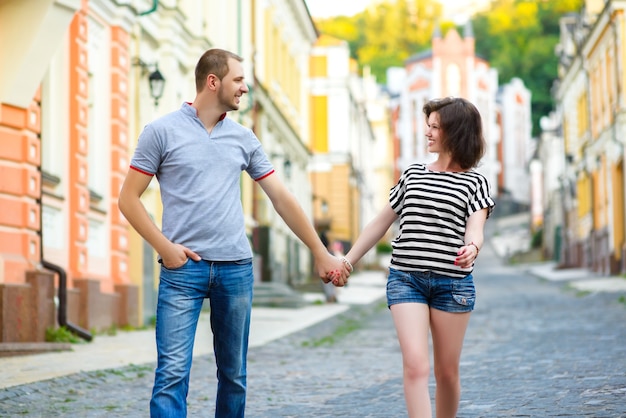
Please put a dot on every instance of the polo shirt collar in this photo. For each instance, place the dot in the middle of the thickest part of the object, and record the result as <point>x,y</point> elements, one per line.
<point>188,109</point>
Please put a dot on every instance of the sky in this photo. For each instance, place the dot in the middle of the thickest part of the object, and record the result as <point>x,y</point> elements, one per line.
<point>327,8</point>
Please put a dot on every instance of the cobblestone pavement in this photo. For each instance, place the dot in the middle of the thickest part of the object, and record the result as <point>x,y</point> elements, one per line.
<point>534,349</point>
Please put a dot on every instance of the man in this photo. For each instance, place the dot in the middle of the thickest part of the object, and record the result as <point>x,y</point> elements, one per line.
<point>198,155</point>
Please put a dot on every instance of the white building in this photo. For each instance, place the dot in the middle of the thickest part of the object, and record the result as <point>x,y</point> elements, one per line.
<point>517,146</point>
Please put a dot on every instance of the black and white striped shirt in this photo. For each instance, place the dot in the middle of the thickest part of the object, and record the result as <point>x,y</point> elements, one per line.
<point>433,208</point>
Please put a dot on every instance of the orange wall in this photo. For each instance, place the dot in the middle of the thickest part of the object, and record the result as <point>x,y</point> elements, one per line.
<point>119,145</point>
<point>20,188</point>
<point>78,192</point>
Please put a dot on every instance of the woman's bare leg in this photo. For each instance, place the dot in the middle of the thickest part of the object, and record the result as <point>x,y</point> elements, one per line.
<point>412,321</point>
<point>448,330</point>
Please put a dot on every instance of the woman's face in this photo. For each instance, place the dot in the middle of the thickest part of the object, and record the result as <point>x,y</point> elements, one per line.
<point>433,133</point>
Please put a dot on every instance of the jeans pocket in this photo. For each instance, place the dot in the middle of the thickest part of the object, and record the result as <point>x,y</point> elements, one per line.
<point>174,268</point>
<point>464,291</point>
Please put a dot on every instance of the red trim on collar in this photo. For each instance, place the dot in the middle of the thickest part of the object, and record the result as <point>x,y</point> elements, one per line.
<point>222,116</point>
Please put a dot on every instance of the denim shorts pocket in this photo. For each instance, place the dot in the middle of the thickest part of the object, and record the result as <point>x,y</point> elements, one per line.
<point>399,275</point>
<point>396,282</point>
<point>464,291</point>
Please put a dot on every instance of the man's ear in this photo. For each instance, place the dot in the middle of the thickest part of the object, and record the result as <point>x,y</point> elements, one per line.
<point>212,81</point>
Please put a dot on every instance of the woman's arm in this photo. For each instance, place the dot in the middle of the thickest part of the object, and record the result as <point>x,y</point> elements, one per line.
<point>474,239</point>
<point>371,234</point>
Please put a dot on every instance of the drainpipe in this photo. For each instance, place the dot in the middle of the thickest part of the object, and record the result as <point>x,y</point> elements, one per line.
<point>62,292</point>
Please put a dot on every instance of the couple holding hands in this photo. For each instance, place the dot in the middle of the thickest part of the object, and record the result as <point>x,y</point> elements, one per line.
<point>197,154</point>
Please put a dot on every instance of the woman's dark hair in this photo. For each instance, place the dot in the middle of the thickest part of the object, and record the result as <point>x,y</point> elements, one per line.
<point>213,61</point>
<point>462,129</point>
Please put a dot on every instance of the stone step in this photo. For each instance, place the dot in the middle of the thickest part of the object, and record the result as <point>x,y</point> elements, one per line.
<point>21,349</point>
<point>274,294</point>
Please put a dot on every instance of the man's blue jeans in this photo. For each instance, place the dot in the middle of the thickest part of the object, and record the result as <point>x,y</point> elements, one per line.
<point>228,285</point>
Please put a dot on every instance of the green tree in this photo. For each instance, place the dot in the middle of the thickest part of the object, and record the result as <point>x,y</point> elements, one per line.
<point>518,37</point>
<point>387,34</point>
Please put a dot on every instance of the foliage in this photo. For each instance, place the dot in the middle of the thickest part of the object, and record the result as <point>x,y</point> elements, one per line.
<point>383,247</point>
<point>348,326</point>
<point>61,335</point>
<point>537,239</point>
<point>386,34</point>
<point>517,37</point>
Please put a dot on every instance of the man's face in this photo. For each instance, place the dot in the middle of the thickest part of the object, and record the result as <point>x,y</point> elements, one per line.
<point>232,86</point>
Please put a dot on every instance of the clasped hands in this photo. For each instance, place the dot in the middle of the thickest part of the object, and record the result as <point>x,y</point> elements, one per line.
<point>335,270</point>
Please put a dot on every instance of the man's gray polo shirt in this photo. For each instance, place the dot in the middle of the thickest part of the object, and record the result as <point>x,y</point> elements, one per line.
<point>199,177</point>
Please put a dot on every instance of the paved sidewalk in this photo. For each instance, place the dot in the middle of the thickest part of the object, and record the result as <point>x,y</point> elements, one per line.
<point>511,234</point>
<point>138,347</point>
<point>578,278</point>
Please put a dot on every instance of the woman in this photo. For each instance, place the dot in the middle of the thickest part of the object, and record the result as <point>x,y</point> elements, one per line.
<point>442,208</point>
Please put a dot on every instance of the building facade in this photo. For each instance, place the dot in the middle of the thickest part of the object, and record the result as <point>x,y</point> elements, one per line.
<point>590,98</point>
<point>70,119</point>
<point>352,166</point>
<point>79,80</point>
<point>516,144</point>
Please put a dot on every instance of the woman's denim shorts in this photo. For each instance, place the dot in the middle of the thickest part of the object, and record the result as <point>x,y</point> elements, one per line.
<point>439,292</point>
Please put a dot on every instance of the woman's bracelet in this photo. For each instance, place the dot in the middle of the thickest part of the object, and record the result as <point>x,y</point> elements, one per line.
<point>475,246</point>
<point>347,263</point>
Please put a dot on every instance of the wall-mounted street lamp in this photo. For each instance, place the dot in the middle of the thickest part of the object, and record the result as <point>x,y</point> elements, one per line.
<point>157,85</point>
<point>155,79</point>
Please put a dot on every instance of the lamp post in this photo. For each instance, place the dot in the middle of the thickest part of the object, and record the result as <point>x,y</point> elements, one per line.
<point>157,85</point>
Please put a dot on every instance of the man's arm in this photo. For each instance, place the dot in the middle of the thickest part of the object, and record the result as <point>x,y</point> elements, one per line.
<point>290,210</point>
<point>132,208</point>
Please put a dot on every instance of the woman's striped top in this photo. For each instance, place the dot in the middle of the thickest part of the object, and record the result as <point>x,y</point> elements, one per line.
<point>433,208</point>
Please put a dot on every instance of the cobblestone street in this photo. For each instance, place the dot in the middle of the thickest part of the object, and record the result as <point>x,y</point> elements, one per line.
<point>534,349</point>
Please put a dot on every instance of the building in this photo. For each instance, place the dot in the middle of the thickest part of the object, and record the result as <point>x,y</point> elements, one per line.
<point>590,102</point>
<point>515,148</point>
<point>63,156</point>
<point>281,39</point>
<point>351,161</point>
<point>552,202</point>
<point>78,81</point>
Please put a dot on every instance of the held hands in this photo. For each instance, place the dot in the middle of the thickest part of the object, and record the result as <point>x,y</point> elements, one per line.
<point>467,255</point>
<point>333,269</point>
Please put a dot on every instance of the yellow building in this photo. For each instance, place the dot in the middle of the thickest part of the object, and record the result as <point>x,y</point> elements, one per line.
<point>591,97</point>
<point>352,161</point>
